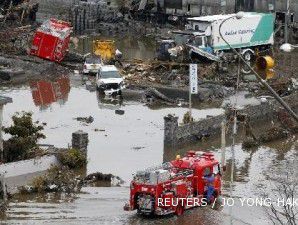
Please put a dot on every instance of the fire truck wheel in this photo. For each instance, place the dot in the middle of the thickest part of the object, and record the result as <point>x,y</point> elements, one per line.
<point>179,210</point>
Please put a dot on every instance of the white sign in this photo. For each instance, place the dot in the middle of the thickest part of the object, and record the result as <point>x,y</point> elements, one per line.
<point>193,78</point>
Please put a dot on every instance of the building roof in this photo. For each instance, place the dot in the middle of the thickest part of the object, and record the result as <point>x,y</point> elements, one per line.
<point>211,18</point>
<point>4,100</point>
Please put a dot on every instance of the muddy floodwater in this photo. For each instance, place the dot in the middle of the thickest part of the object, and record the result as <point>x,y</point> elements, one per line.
<point>121,145</point>
<point>131,47</point>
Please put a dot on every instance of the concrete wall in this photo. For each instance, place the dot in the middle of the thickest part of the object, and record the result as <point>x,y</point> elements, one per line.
<point>175,134</point>
<point>20,173</point>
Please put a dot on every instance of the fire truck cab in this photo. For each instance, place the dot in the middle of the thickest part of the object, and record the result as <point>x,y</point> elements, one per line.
<point>175,186</point>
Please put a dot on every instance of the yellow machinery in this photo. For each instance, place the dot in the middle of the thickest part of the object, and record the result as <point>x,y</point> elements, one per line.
<point>265,66</point>
<point>104,48</point>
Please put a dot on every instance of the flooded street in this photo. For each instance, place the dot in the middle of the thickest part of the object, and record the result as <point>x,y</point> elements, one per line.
<point>121,145</point>
<point>96,96</point>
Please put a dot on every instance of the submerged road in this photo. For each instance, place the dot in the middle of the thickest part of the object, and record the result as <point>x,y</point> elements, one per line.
<point>127,143</point>
<point>104,206</point>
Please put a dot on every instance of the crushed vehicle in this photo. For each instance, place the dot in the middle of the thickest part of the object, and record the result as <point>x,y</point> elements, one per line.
<point>92,64</point>
<point>204,36</point>
<point>195,178</point>
<point>109,80</point>
<point>51,40</point>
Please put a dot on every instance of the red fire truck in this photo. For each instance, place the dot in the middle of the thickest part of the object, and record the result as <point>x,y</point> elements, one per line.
<point>176,186</point>
<point>51,40</point>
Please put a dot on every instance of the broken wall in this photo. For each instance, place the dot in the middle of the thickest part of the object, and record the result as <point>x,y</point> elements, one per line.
<point>179,135</point>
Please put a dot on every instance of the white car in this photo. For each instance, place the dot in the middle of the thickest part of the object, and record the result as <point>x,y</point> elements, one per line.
<point>109,80</point>
<point>92,64</point>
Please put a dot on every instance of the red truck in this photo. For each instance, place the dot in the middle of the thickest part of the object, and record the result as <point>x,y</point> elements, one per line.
<point>191,181</point>
<point>51,40</point>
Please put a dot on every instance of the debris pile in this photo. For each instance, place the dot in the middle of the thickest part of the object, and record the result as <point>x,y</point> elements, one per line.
<point>57,179</point>
<point>151,95</point>
<point>100,179</point>
<point>18,10</point>
<point>164,73</point>
<point>88,119</point>
<point>15,40</point>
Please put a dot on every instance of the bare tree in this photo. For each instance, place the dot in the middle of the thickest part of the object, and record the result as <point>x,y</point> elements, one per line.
<point>284,210</point>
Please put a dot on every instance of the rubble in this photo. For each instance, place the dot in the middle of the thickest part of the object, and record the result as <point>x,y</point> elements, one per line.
<point>100,179</point>
<point>21,11</point>
<point>57,179</point>
<point>89,119</point>
<point>151,94</point>
<point>19,69</point>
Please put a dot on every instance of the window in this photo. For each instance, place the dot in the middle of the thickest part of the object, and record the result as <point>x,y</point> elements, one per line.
<point>207,171</point>
<point>216,169</point>
<point>94,60</point>
<point>110,74</point>
<point>198,41</point>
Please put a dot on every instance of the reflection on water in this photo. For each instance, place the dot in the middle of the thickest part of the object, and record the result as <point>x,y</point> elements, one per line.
<point>44,93</point>
<point>109,102</point>
<point>132,48</point>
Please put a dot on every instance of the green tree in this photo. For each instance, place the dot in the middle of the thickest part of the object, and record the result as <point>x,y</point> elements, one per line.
<point>24,136</point>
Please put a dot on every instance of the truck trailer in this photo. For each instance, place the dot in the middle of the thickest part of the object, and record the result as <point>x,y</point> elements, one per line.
<point>249,34</point>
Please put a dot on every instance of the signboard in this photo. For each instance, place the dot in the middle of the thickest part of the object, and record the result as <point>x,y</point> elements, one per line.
<point>193,78</point>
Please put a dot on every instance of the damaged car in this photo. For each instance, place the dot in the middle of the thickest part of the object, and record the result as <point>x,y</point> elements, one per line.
<point>109,80</point>
<point>92,64</point>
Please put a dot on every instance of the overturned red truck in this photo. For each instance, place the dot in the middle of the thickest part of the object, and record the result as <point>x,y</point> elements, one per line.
<point>51,40</point>
<point>191,181</point>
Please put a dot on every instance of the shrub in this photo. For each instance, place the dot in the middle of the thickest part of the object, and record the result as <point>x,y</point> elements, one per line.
<point>24,137</point>
<point>72,158</point>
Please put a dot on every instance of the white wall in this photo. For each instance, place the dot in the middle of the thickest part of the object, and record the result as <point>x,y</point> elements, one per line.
<point>22,173</point>
<point>28,166</point>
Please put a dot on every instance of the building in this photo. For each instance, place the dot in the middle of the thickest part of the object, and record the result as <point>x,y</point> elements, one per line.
<point>212,7</point>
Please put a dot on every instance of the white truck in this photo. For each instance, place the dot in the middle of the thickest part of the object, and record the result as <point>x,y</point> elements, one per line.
<point>252,32</point>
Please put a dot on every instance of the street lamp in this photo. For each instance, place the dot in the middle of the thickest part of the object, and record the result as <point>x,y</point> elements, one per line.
<point>240,15</point>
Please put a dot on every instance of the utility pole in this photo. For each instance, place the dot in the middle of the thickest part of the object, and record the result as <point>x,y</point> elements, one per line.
<point>287,22</point>
<point>223,145</point>
<point>233,162</point>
